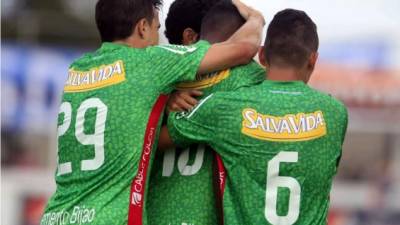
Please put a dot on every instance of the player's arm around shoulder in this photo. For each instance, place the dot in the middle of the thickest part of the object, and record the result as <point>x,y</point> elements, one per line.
<point>188,127</point>
<point>172,64</point>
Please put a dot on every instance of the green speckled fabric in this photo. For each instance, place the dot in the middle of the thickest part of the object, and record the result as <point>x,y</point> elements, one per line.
<point>282,172</point>
<point>181,184</point>
<point>114,119</point>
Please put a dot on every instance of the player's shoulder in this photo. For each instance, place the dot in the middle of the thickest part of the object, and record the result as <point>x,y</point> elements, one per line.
<point>176,49</point>
<point>82,61</point>
<point>252,67</point>
<point>220,100</point>
<point>231,99</point>
<point>102,56</point>
<point>329,102</point>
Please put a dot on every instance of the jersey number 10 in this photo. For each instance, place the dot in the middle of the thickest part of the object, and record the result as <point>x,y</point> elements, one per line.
<point>96,139</point>
<point>183,162</point>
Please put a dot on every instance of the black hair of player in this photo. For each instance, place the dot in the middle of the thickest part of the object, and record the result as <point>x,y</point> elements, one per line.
<point>220,22</point>
<point>184,14</point>
<point>116,19</point>
<point>291,38</point>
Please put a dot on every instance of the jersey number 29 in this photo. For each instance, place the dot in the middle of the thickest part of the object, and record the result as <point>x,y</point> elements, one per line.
<point>96,139</point>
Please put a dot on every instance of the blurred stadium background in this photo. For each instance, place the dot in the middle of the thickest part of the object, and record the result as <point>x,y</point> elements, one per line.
<point>359,63</point>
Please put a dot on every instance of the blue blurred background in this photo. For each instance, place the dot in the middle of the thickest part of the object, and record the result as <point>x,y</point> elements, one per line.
<point>359,63</point>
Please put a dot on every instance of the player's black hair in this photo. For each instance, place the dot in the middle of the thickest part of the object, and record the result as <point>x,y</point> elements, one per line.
<point>220,22</point>
<point>184,14</point>
<point>291,38</point>
<point>116,19</point>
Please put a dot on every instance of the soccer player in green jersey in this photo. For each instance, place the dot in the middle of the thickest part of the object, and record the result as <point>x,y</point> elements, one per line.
<point>112,100</point>
<point>280,141</point>
<point>181,185</point>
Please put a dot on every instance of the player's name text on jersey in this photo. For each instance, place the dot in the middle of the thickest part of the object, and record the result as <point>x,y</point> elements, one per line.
<point>95,78</point>
<point>79,215</point>
<point>289,128</point>
<point>208,81</point>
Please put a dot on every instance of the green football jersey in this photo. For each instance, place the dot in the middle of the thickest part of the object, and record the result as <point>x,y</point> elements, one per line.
<point>103,152</point>
<point>280,143</point>
<point>181,183</point>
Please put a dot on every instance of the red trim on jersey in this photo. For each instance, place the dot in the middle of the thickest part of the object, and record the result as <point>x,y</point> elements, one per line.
<point>138,186</point>
<point>222,175</point>
<point>221,179</point>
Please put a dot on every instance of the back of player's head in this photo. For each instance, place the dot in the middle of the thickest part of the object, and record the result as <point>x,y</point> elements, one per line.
<point>116,19</point>
<point>184,14</point>
<point>220,22</point>
<point>291,38</point>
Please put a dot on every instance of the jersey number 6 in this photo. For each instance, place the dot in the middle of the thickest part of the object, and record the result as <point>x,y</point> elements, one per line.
<point>96,139</point>
<point>274,181</point>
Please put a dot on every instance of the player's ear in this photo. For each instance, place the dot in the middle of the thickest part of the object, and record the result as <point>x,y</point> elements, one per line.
<point>312,60</point>
<point>189,36</point>
<point>311,65</point>
<point>261,56</point>
<point>143,28</point>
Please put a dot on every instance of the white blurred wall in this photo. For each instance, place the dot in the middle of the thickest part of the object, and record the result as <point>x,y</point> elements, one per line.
<point>340,20</point>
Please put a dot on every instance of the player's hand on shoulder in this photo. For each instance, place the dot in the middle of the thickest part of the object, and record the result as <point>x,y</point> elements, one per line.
<point>183,100</point>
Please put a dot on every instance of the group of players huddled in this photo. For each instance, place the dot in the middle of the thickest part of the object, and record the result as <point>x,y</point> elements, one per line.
<point>239,143</point>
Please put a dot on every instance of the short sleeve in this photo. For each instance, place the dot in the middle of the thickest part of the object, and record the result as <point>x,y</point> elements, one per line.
<point>345,122</point>
<point>343,115</point>
<point>186,128</point>
<point>174,63</point>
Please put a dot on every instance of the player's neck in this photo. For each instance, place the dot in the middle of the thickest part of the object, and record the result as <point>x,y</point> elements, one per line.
<point>285,74</point>
<point>132,42</point>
